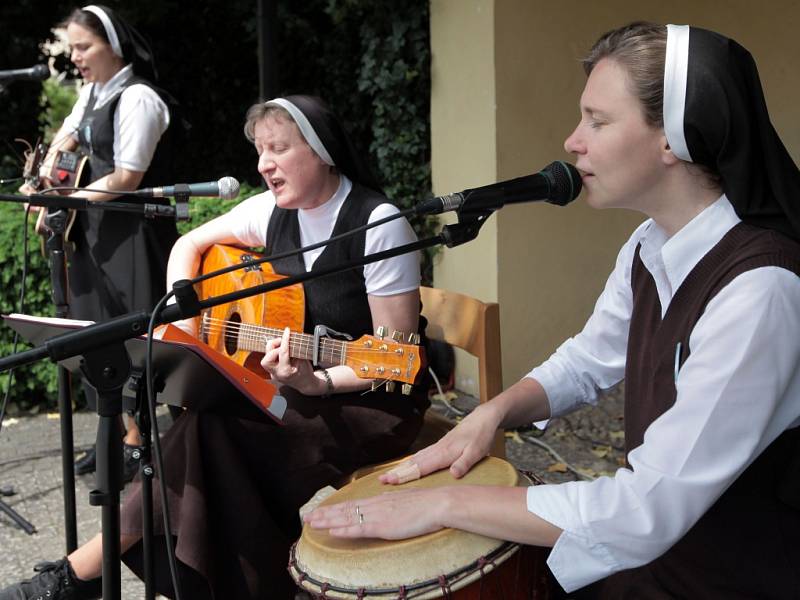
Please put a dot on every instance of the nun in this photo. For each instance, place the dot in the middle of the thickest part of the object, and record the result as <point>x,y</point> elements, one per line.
<point>235,486</point>
<point>121,129</point>
<point>700,318</point>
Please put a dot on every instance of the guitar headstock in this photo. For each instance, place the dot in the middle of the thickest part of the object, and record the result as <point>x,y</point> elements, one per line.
<point>386,359</point>
<point>34,157</point>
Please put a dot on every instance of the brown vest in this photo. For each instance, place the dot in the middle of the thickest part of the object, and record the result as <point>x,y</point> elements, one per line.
<point>747,545</point>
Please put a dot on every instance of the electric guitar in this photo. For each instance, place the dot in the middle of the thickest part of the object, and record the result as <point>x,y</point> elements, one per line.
<point>66,171</point>
<point>241,329</point>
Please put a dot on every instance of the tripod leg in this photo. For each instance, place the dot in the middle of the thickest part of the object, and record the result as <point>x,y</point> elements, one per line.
<point>19,520</point>
<point>67,458</point>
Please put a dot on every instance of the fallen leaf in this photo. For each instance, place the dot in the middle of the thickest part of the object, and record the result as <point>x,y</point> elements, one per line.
<point>601,451</point>
<point>557,468</point>
<point>513,435</point>
<point>616,436</point>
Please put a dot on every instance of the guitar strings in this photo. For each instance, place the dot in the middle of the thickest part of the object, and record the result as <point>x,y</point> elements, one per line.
<point>252,332</point>
<point>239,331</point>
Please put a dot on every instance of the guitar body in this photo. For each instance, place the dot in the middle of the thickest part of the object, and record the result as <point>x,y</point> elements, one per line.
<point>239,330</point>
<point>277,309</point>
<point>66,171</point>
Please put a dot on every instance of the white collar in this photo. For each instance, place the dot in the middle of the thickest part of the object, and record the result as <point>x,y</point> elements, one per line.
<point>105,91</point>
<point>679,254</point>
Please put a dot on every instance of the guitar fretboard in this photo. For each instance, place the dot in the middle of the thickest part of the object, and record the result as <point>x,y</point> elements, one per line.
<point>254,338</point>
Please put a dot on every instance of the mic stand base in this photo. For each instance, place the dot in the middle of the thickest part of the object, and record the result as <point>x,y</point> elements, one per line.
<point>137,384</point>
<point>107,369</point>
<point>20,521</point>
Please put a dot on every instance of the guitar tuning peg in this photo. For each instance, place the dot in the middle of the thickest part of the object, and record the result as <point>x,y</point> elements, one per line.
<point>406,389</point>
<point>413,338</point>
<point>397,336</point>
<point>381,331</point>
<point>390,386</point>
<point>376,384</point>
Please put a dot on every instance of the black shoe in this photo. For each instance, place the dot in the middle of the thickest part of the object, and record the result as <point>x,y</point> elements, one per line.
<point>131,456</point>
<point>54,581</point>
<point>87,463</point>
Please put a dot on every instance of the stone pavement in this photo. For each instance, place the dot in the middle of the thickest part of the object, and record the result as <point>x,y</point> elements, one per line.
<point>585,444</point>
<point>30,461</point>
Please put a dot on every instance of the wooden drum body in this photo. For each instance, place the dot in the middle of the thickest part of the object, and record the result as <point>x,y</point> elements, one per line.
<point>448,563</point>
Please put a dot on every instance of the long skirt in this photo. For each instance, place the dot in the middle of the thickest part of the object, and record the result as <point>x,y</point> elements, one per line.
<point>235,486</point>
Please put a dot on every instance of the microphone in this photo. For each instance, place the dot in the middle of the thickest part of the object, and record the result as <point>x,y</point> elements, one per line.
<point>35,73</point>
<point>558,183</point>
<point>226,188</point>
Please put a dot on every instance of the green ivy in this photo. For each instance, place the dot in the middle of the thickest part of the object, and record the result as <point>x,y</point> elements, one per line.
<point>56,101</point>
<point>36,383</point>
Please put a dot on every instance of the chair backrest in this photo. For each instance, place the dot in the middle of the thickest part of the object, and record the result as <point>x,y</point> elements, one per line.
<point>473,326</point>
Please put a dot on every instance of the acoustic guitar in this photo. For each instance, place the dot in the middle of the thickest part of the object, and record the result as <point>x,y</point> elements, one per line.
<point>241,329</point>
<point>66,171</point>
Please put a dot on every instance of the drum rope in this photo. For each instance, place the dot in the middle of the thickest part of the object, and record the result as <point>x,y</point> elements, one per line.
<point>444,586</point>
<point>405,592</point>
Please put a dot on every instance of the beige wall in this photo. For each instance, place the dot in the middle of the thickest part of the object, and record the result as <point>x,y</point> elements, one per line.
<point>505,89</point>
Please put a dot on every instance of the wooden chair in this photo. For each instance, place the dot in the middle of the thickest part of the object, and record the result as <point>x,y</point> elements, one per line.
<point>473,326</point>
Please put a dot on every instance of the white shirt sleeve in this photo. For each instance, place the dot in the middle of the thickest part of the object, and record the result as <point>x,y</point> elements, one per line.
<point>249,219</point>
<point>737,391</point>
<point>394,275</point>
<point>141,118</point>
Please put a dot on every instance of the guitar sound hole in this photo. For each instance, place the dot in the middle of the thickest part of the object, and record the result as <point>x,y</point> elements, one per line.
<point>231,337</point>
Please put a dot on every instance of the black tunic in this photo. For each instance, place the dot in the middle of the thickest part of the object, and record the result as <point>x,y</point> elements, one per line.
<point>119,262</point>
<point>235,485</point>
<point>746,544</point>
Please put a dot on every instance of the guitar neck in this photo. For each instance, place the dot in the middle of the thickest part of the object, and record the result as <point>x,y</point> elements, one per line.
<point>253,338</point>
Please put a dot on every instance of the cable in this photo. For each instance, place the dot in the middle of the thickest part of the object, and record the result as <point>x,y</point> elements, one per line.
<point>155,440</point>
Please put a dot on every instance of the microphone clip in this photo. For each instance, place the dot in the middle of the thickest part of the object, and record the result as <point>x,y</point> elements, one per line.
<point>467,229</point>
<point>182,206</point>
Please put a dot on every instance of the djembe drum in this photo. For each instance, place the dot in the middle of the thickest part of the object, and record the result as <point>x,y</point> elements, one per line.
<point>448,563</point>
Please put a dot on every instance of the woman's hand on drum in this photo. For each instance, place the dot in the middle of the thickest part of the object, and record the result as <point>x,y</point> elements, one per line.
<point>286,370</point>
<point>390,516</point>
<point>460,449</point>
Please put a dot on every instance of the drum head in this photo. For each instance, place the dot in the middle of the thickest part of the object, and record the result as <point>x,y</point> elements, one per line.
<point>379,565</point>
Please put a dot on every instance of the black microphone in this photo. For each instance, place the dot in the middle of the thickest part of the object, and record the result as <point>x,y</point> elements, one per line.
<point>226,188</point>
<point>36,73</point>
<point>558,183</point>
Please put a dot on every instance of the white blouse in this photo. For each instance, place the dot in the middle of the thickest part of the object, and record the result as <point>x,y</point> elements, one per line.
<point>249,219</point>
<point>140,119</point>
<point>738,390</point>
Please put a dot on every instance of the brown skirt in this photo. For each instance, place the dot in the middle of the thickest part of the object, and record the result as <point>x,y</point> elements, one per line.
<point>234,486</point>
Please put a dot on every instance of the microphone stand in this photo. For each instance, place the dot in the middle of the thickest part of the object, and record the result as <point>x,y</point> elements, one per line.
<point>56,220</point>
<point>107,366</point>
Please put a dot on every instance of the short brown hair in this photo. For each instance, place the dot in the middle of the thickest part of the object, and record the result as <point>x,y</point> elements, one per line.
<point>640,48</point>
<point>261,111</point>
